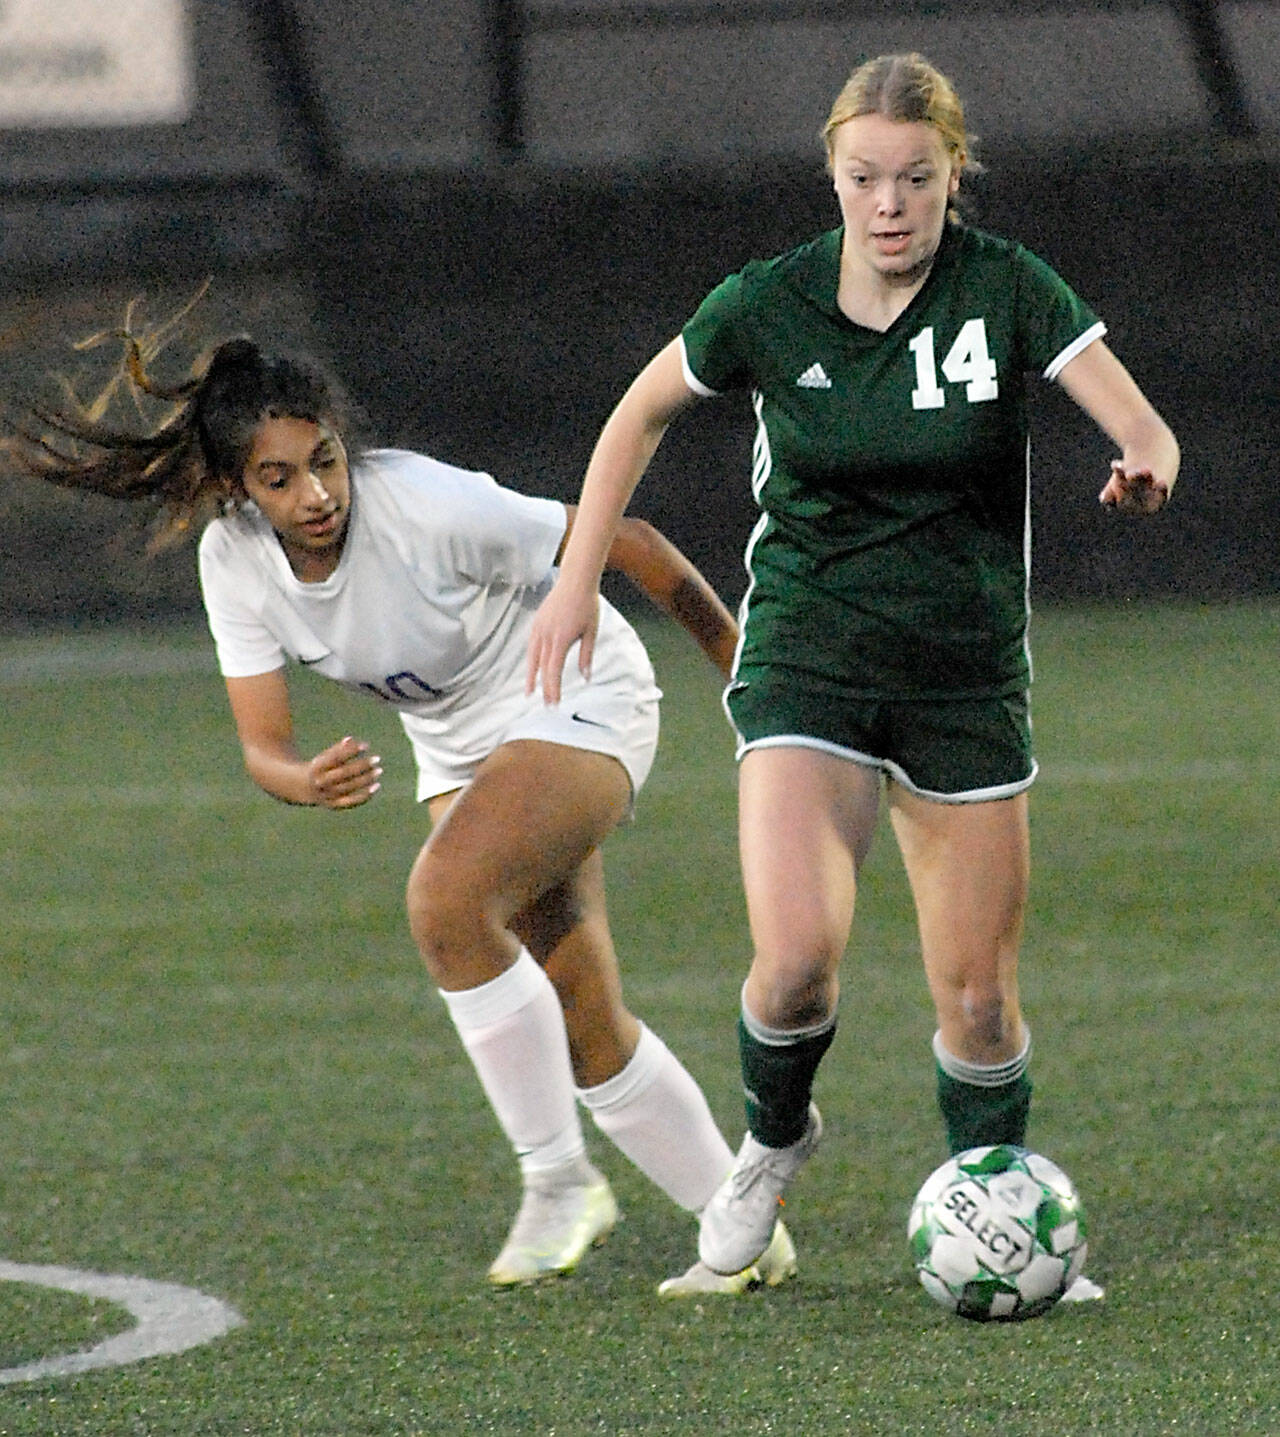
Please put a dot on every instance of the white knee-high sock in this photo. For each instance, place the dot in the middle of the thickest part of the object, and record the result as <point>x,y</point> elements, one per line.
<point>513,1030</point>
<point>655,1112</point>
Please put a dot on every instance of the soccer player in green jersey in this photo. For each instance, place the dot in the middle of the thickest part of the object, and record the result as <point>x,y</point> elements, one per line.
<point>884,630</point>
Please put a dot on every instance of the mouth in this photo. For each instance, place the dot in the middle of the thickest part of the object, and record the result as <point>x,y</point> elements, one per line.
<point>323,527</point>
<point>891,242</point>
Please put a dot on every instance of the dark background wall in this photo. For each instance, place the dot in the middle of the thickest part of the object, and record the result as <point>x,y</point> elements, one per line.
<point>487,215</point>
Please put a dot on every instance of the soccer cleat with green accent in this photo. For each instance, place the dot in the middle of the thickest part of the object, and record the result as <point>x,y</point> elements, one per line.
<point>738,1223</point>
<point>556,1224</point>
<point>774,1266</point>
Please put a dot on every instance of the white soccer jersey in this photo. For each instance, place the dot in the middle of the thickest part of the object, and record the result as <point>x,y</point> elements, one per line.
<point>429,608</point>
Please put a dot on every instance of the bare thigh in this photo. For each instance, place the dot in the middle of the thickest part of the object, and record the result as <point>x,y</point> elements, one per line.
<point>805,822</point>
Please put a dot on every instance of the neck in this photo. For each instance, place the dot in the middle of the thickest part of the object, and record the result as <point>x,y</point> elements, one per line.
<point>312,566</point>
<point>873,299</point>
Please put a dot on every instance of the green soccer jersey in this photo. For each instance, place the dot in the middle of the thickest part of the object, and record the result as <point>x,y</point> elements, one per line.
<point>891,556</point>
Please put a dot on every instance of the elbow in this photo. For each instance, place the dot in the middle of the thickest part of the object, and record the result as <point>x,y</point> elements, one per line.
<point>642,533</point>
<point>636,546</point>
<point>639,532</point>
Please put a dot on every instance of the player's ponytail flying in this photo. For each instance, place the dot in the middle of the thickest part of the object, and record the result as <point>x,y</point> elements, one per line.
<point>185,461</point>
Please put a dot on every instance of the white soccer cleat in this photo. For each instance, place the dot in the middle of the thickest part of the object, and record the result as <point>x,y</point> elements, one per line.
<point>775,1265</point>
<point>700,1281</point>
<point>1083,1289</point>
<point>556,1224</point>
<point>738,1223</point>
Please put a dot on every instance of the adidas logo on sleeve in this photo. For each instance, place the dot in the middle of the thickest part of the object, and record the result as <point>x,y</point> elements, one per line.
<point>815,377</point>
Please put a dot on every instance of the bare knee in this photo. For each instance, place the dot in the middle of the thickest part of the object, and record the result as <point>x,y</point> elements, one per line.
<point>981,1023</point>
<point>796,991</point>
<point>983,1012</point>
<point>453,922</point>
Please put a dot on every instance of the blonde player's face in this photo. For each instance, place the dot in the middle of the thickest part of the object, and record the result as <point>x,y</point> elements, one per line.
<point>298,477</point>
<point>893,181</point>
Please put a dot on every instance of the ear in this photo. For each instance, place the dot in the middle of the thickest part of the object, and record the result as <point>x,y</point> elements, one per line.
<point>953,181</point>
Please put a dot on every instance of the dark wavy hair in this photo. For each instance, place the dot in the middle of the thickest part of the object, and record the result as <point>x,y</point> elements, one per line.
<point>186,464</point>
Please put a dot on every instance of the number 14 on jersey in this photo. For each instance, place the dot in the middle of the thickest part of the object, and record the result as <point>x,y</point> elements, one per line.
<point>968,362</point>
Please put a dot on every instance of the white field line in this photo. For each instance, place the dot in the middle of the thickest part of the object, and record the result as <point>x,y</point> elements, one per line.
<point>170,1319</point>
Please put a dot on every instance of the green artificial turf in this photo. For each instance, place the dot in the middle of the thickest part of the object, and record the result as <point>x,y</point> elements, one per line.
<point>223,1068</point>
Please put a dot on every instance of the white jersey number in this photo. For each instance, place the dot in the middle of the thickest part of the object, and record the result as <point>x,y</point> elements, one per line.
<point>968,362</point>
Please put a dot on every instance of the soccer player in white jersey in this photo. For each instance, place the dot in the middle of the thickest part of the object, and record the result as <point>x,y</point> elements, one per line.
<point>884,631</point>
<point>415,582</point>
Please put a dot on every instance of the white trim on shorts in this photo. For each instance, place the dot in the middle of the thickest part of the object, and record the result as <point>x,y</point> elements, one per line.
<point>893,770</point>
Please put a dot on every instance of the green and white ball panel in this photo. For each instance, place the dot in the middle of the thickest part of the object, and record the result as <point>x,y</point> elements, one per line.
<point>997,1233</point>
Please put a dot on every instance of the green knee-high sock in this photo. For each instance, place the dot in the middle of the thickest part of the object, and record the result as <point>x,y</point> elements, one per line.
<point>983,1104</point>
<point>777,1078</point>
<point>975,1116</point>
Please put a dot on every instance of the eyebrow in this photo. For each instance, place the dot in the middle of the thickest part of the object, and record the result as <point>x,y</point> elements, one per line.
<point>924,162</point>
<point>326,443</point>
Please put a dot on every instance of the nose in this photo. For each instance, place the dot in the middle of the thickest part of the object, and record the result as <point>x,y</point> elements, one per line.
<point>315,490</point>
<point>888,196</point>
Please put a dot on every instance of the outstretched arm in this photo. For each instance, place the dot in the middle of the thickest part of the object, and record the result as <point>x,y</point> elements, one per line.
<point>670,579</point>
<point>622,453</point>
<point>1142,479</point>
<point>343,775</point>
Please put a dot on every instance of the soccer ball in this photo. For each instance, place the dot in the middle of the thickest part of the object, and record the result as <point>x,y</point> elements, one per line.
<point>997,1234</point>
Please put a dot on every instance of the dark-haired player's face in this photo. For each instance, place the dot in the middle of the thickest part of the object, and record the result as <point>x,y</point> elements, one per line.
<point>298,477</point>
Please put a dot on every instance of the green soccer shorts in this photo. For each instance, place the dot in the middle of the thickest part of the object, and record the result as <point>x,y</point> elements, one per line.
<point>966,750</point>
